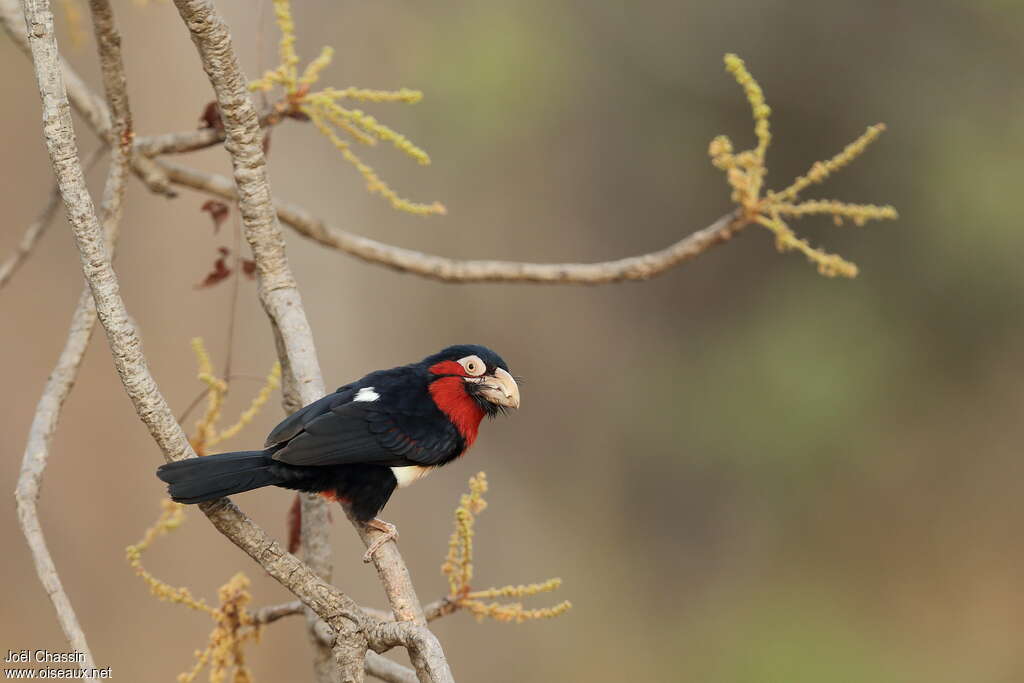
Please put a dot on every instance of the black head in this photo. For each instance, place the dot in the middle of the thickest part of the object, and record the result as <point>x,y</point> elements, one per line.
<point>454,353</point>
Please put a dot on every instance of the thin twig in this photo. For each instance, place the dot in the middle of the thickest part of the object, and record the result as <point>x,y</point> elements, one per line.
<point>385,669</point>
<point>35,231</point>
<point>232,312</point>
<point>37,451</point>
<point>641,267</point>
<point>270,614</point>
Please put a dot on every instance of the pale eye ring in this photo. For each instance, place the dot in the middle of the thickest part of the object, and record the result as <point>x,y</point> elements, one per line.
<point>473,366</point>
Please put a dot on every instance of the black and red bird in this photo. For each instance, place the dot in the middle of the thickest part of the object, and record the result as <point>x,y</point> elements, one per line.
<point>359,444</point>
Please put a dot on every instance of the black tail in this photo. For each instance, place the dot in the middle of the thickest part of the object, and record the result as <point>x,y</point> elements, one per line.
<point>197,480</point>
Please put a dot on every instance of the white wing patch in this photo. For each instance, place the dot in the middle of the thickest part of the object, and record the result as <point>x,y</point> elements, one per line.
<point>366,394</point>
<point>407,475</point>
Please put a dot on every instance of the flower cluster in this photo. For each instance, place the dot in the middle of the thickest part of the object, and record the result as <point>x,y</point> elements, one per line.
<point>234,625</point>
<point>207,435</point>
<point>332,118</point>
<point>745,171</point>
<point>458,567</point>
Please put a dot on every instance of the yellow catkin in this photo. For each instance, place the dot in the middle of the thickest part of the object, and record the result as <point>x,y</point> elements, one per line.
<point>206,435</point>
<point>324,110</point>
<point>206,425</point>
<point>859,214</point>
<point>374,183</point>
<point>520,591</point>
<point>829,265</point>
<point>745,172</point>
<point>514,612</point>
<point>234,625</point>
<point>339,115</point>
<point>367,95</point>
<point>312,73</point>
<point>272,382</point>
<point>458,568</point>
<point>755,96</point>
<point>823,169</point>
<point>170,518</point>
<point>286,46</point>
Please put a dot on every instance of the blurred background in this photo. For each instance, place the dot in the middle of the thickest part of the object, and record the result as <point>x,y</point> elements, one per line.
<point>744,472</point>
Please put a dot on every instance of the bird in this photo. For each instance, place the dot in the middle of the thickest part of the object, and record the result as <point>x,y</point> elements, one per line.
<point>358,444</point>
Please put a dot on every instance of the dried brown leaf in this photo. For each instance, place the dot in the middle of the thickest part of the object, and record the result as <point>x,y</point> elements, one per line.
<point>219,272</point>
<point>218,211</point>
<point>210,118</point>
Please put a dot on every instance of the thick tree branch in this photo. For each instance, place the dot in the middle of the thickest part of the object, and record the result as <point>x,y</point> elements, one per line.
<point>278,292</point>
<point>280,298</point>
<point>446,269</point>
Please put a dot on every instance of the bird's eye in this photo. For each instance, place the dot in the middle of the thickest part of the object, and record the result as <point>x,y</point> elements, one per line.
<point>473,365</point>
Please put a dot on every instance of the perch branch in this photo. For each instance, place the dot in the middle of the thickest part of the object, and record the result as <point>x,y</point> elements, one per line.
<point>281,299</point>
<point>641,267</point>
<point>278,292</point>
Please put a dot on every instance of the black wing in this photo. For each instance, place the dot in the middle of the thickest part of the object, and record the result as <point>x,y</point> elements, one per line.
<point>332,431</point>
<point>297,421</point>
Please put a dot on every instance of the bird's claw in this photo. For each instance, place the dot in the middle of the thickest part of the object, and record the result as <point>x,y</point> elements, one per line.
<point>389,531</point>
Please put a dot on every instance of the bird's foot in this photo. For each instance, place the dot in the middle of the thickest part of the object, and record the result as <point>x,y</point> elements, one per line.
<point>389,530</point>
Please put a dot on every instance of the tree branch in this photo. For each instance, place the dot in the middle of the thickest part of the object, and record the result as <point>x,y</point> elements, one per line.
<point>38,227</point>
<point>278,292</point>
<point>37,451</point>
<point>339,611</point>
<point>83,322</point>
<point>641,267</point>
<point>158,173</point>
<point>383,668</point>
<point>283,304</point>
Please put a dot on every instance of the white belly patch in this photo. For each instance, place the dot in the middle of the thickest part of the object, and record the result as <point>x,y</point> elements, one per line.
<point>407,475</point>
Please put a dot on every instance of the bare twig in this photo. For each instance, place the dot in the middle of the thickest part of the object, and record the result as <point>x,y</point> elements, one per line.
<point>439,608</point>
<point>40,436</point>
<point>270,614</point>
<point>179,143</point>
<point>446,269</point>
<point>194,140</point>
<point>383,668</point>
<point>35,231</point>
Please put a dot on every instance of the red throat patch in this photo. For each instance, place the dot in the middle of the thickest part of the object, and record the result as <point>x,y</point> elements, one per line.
<point>449,393</point>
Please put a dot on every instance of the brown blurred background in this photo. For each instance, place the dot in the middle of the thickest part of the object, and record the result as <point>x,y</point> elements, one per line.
<point>744,472</point>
